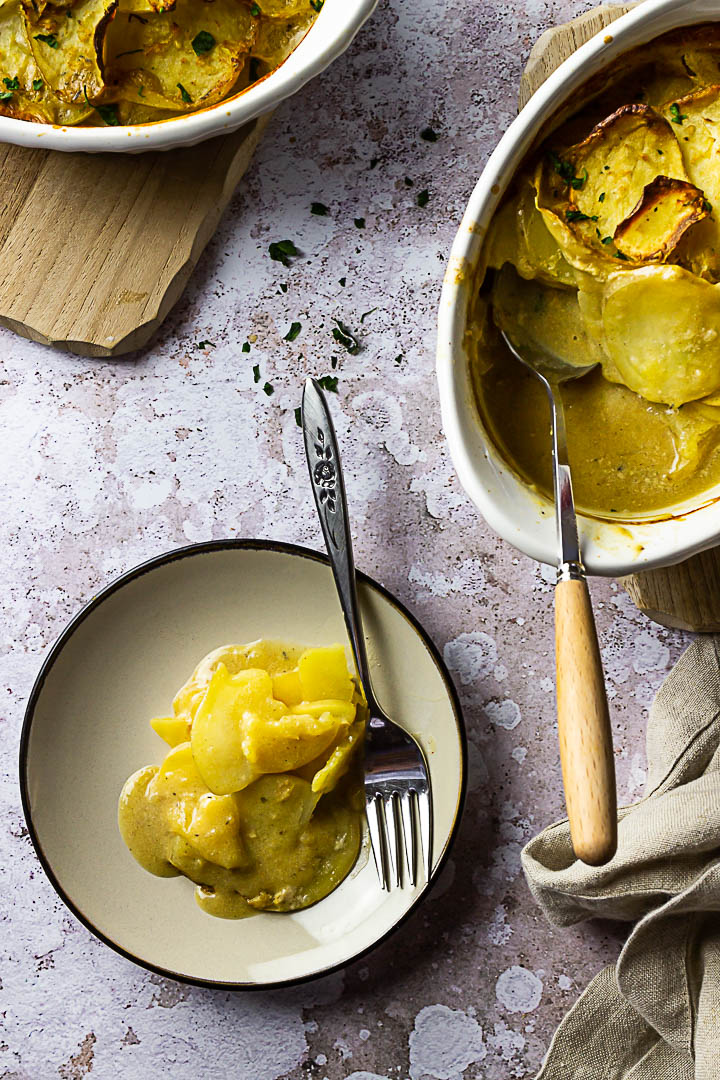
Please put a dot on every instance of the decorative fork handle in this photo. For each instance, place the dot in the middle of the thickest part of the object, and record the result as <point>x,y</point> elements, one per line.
<point>328,487</point>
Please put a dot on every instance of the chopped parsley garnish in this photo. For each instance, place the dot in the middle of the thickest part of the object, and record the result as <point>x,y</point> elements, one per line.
<point>423,197</point>
<point>107,113</point>
<point>282,250</point>
<point>203,42</point>
<point>293,332</point>
<point>343,281</point>
<point>601,197</point>
<point>255,11</point>
<point>49,39</point>
<point>345,337</point>
<point>256,373</point>
<point>398,359</point>
<point>246,346</point>
<point>184,94</point>
<point>566,171</point>
<point>660,152</point>
<point>318,208</point>
<point>707,206</point>
<point>675,115</point>
<point>365,314</point>
<point>607,240</point>
<point>577,215</point>
<point>620,255</point>
<point>429,135</point>
<point>206,344</point>
<point>359,222</point>
<point>329,382</point>
<point>38,84</point>
<point>298,416</point>
<point>12,84</point>
<point>6,95</point>
<point>317,5</point>
<point>333,362</point>
<point>141,91</point>
<point>269,389</point>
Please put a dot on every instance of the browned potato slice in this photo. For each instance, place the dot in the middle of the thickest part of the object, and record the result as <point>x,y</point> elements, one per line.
<point>665,211</point>
<point>26,93</point>
<point>68,46</point>
<point>184,59</point>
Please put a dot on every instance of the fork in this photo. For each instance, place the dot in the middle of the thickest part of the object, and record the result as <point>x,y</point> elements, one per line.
<point>398,796</point>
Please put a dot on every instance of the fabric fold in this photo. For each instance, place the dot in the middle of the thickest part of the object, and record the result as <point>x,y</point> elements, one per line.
<point>656,1014</point>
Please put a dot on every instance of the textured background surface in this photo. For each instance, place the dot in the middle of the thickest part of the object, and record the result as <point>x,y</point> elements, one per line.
<point>109,463</point>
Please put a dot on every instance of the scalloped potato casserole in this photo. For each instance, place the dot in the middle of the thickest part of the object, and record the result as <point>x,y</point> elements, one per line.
<point>606,250</point>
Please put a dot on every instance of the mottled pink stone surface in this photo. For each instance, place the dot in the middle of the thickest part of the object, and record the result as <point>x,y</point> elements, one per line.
<point>105,464</point>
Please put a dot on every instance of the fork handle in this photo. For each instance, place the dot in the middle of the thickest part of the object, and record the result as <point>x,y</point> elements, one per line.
<point>586,754</point>
<point>328,487</point>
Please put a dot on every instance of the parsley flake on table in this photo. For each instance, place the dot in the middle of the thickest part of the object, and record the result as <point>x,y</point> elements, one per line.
<point>246,346</point>
<point>293,332</point>
<point>408,182</point>
<point>345,337</point>
<point>365,314</point>
<point>423,197</point>
<point>49,39</point>
<point>256,373</point>
<point>675,115</point>
<point>298,416</point>
<point>343,281</point>
<point>184,94</point>
<point>319,208</point>
<point>428,135</point>
<point>205,345</point>
<point>203,42</point>
<point>269,389</point>
<point>399,359</point>
<point>281,251</point>
<point>329,382</point>
<point>333,362</point>
<point>359,222</point>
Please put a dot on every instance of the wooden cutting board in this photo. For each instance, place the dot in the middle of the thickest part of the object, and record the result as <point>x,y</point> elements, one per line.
<point>96,248</point>
<point>686,596</point>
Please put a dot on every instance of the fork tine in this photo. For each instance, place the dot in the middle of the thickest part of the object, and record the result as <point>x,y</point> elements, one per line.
<point>377,842</point>
<point>393,825</point>
<point>425,815</point>
<point>408,831</point>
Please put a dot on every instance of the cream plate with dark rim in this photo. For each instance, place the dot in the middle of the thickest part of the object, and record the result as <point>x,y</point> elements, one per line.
<point>120,661</point>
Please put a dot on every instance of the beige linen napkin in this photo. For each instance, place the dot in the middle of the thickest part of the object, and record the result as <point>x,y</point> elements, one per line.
<point>656,1014</point>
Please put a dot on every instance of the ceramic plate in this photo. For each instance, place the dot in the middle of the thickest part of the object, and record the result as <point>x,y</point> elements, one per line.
<point>86,729</point>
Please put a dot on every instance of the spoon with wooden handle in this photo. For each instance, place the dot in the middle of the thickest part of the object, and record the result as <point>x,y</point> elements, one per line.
<point>586,752</point>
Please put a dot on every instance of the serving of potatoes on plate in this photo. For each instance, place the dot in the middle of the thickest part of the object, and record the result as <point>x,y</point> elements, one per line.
<point>117,62</point>
<point>258,801</point>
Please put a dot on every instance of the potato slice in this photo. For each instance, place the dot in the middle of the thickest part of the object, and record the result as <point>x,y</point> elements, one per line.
<point>324,674</point>
<point>536,316</point>
<point>276,39</point>
<point>339,761</point>
<point>518,235</point>
<point>183,59</point>
<point>219,730</point>
<point>213,830</point>
<point>662,328</point>
<point>32,99</point>
<point>68,47</point>
<point>172,729</point>
<point>585,192</point>
<point>666,210</point>
<point>287,687</point>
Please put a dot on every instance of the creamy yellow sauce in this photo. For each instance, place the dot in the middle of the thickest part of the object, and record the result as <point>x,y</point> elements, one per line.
<point>259,799</point>
<point>606,250</point>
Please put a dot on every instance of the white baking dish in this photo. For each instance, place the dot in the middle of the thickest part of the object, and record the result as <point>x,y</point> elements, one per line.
<point>331,33</point>
<point>510,506</point>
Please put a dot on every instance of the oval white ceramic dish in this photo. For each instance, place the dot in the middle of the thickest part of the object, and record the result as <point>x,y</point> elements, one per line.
<point>510,506</point>
<point>329,36</point>
<point>86,729</point>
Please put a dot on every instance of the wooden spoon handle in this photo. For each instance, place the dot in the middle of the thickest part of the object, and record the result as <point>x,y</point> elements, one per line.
<point>586,751</point>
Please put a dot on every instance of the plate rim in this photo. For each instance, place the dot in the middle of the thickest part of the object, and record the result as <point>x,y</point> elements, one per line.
<point>135,572</point>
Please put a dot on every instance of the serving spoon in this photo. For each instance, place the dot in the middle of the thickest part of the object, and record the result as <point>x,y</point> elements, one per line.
<point>586,752</point>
